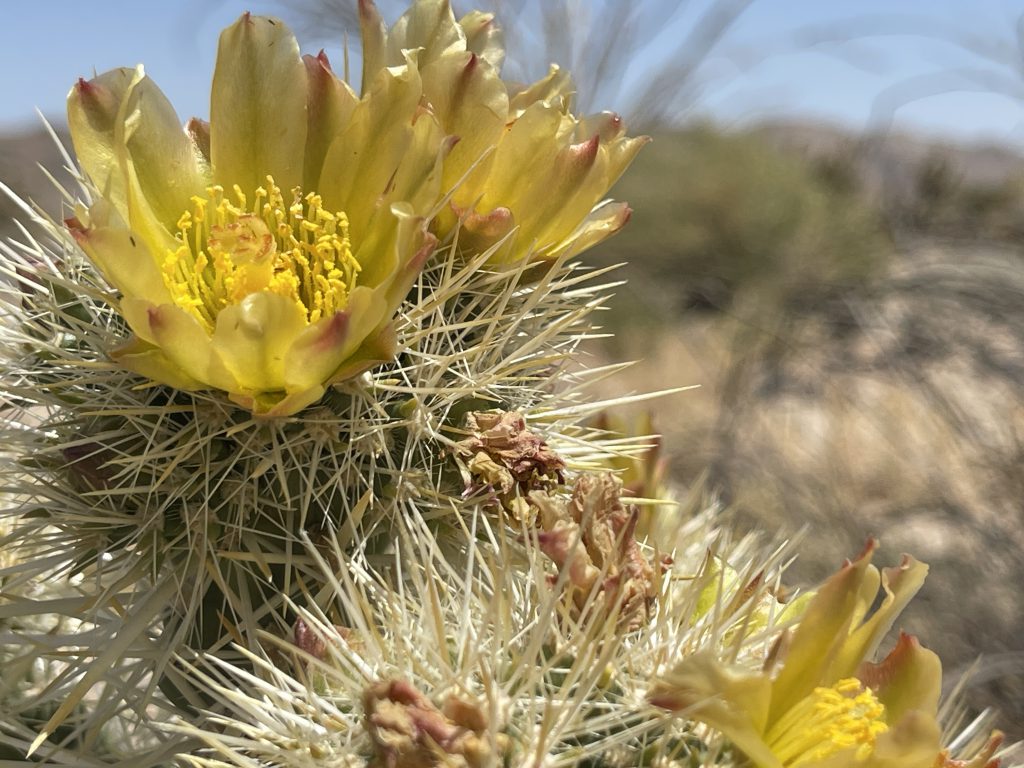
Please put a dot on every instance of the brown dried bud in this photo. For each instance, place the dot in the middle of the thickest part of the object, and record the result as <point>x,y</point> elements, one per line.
<point>983,759</point>
<point>316,644</point>
<point>591,537</point>
<point>409,731</point>
<point>308,640</point>
<point>502,455</point>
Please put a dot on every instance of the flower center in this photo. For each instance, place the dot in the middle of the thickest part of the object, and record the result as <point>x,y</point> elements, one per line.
<point>230,249</point>
<point>830,720</point>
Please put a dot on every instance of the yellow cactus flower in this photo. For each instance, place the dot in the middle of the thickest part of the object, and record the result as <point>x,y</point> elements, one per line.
<point>527,176</point>
<point>263,253</point>
<point>827,707</point>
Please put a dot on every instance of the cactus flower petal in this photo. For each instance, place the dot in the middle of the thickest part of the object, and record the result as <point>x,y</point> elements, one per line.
<point>263,253</point>
<point>258,106</point>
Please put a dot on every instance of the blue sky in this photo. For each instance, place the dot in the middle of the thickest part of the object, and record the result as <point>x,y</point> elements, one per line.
<point>770,67</point>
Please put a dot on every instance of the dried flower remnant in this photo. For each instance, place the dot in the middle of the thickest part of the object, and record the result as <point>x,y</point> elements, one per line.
<point>409,731</point>
<point>590,537</point>
<point>309,640</point>
<point>985,758</point>
<point>317,644</point>
<point>504,457</point>
<point>315,649</point>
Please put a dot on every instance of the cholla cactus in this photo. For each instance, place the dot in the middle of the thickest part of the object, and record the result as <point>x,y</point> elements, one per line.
<point>298,455</point>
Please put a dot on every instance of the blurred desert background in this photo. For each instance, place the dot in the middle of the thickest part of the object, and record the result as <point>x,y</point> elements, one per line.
<point>846,288</point>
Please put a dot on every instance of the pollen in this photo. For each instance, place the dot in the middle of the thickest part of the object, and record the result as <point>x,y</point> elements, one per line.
<point>845,716</point>
<point>231,246</point>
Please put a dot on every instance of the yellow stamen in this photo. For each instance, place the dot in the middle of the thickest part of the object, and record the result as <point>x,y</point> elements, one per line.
<point>228,251</point>
<point>830,720</point>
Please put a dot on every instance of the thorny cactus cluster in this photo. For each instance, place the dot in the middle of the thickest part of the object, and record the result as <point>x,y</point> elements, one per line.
<point>302,468</point>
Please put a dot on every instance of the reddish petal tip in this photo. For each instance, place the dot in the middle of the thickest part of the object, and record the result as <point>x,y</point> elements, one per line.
<point>76,229</point>
<point>153,315</point>
<point>318,67</point>
<point>869,549</point>
<point>583,155</point>
<point>424,253</point>
<point>333,332</point>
